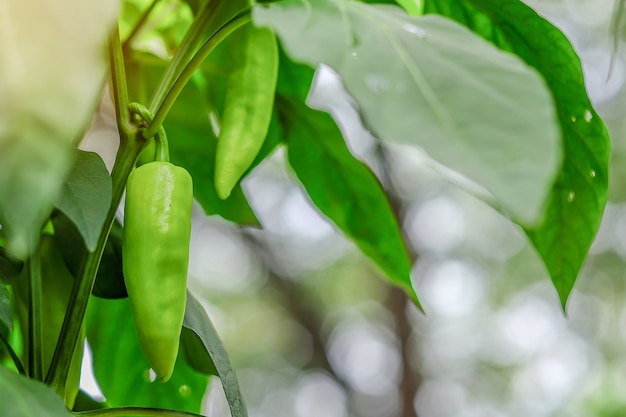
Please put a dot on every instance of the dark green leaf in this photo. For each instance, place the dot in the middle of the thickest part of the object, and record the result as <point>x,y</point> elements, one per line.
<point>22,397</point>
<point>578,197</point>
<point>6,318</point>
<point>110,278</point>
<point>86,196</point>
<point>10,266</point>
<point>195,353</point>
<point>294,80</point>
<point>431,82</point>
<point>123,373</point>
<point>346,191</point>
<point>198,322</point>
<point>85,403</point>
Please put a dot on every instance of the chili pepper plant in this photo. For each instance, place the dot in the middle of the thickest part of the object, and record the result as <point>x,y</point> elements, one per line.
<point>203,92</point>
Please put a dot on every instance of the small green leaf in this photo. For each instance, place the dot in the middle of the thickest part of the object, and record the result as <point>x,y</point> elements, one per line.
<point>86,196</point>
<point>345,190</point>
<point>22,397</point>
<point>123,373</point>
<point>577,199</point>
<point>431,82</point>
<point>198,322</point>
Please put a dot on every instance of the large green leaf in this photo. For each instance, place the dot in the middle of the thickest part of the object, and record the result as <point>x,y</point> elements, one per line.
<point>198,330</point>
<point>345,190</point>
<point>432,82</point>
<point>123,373</point>
<point>22,397</point>
<point>86,196</point>
<point>578,197</point>
<point>53,66</point>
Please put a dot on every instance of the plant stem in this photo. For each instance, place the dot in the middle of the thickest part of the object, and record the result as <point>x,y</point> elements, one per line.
<point>183,53</point>
<point>184,77</point>
<point>124,163</point>
<point>16,359</point>
<point>135,411</point>
<point>35,329</point>
<point>118,81</point>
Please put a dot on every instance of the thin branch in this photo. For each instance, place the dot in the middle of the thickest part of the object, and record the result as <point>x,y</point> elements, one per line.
<point>14,357</point>
<point>140,24</point>
<point>35,328</point>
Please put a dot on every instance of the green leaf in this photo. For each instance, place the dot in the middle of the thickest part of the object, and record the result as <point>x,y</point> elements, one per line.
<point>10,266</point>
<point>198,322</point>
<point>110,278</point>
<point>49,92</point>
<point>294,80</point>
<point>6,318</point>
<point>345,190</point>
<point>431,82</point>
<point>22,397</point>
<point>412,7</point>
<point>85,403</point>
<point>195,353</point>
<point>123,373</point>
<point>578,197</point>
<point>86,196</point>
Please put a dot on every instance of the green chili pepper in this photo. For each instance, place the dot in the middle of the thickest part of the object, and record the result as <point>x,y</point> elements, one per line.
<point>56,283</point>
<point>155,255</point>
<point>248,105</point>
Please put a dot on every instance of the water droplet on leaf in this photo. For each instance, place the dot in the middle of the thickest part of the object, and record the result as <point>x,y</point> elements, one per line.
<point>415,30</point>
<point>571,196</point>
<point>149,375</point>
<point>184,390</point>
<point>588,116</point>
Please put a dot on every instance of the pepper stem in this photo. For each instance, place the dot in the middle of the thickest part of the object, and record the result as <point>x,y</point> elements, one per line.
<point>160,138</point>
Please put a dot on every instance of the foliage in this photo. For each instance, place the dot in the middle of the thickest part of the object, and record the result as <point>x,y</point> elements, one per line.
<point>488,88</point>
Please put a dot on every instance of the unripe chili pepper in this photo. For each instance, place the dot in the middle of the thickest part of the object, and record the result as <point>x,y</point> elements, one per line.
<point>56,283</point>
<point>248,105</point>
<point>155,255</point>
